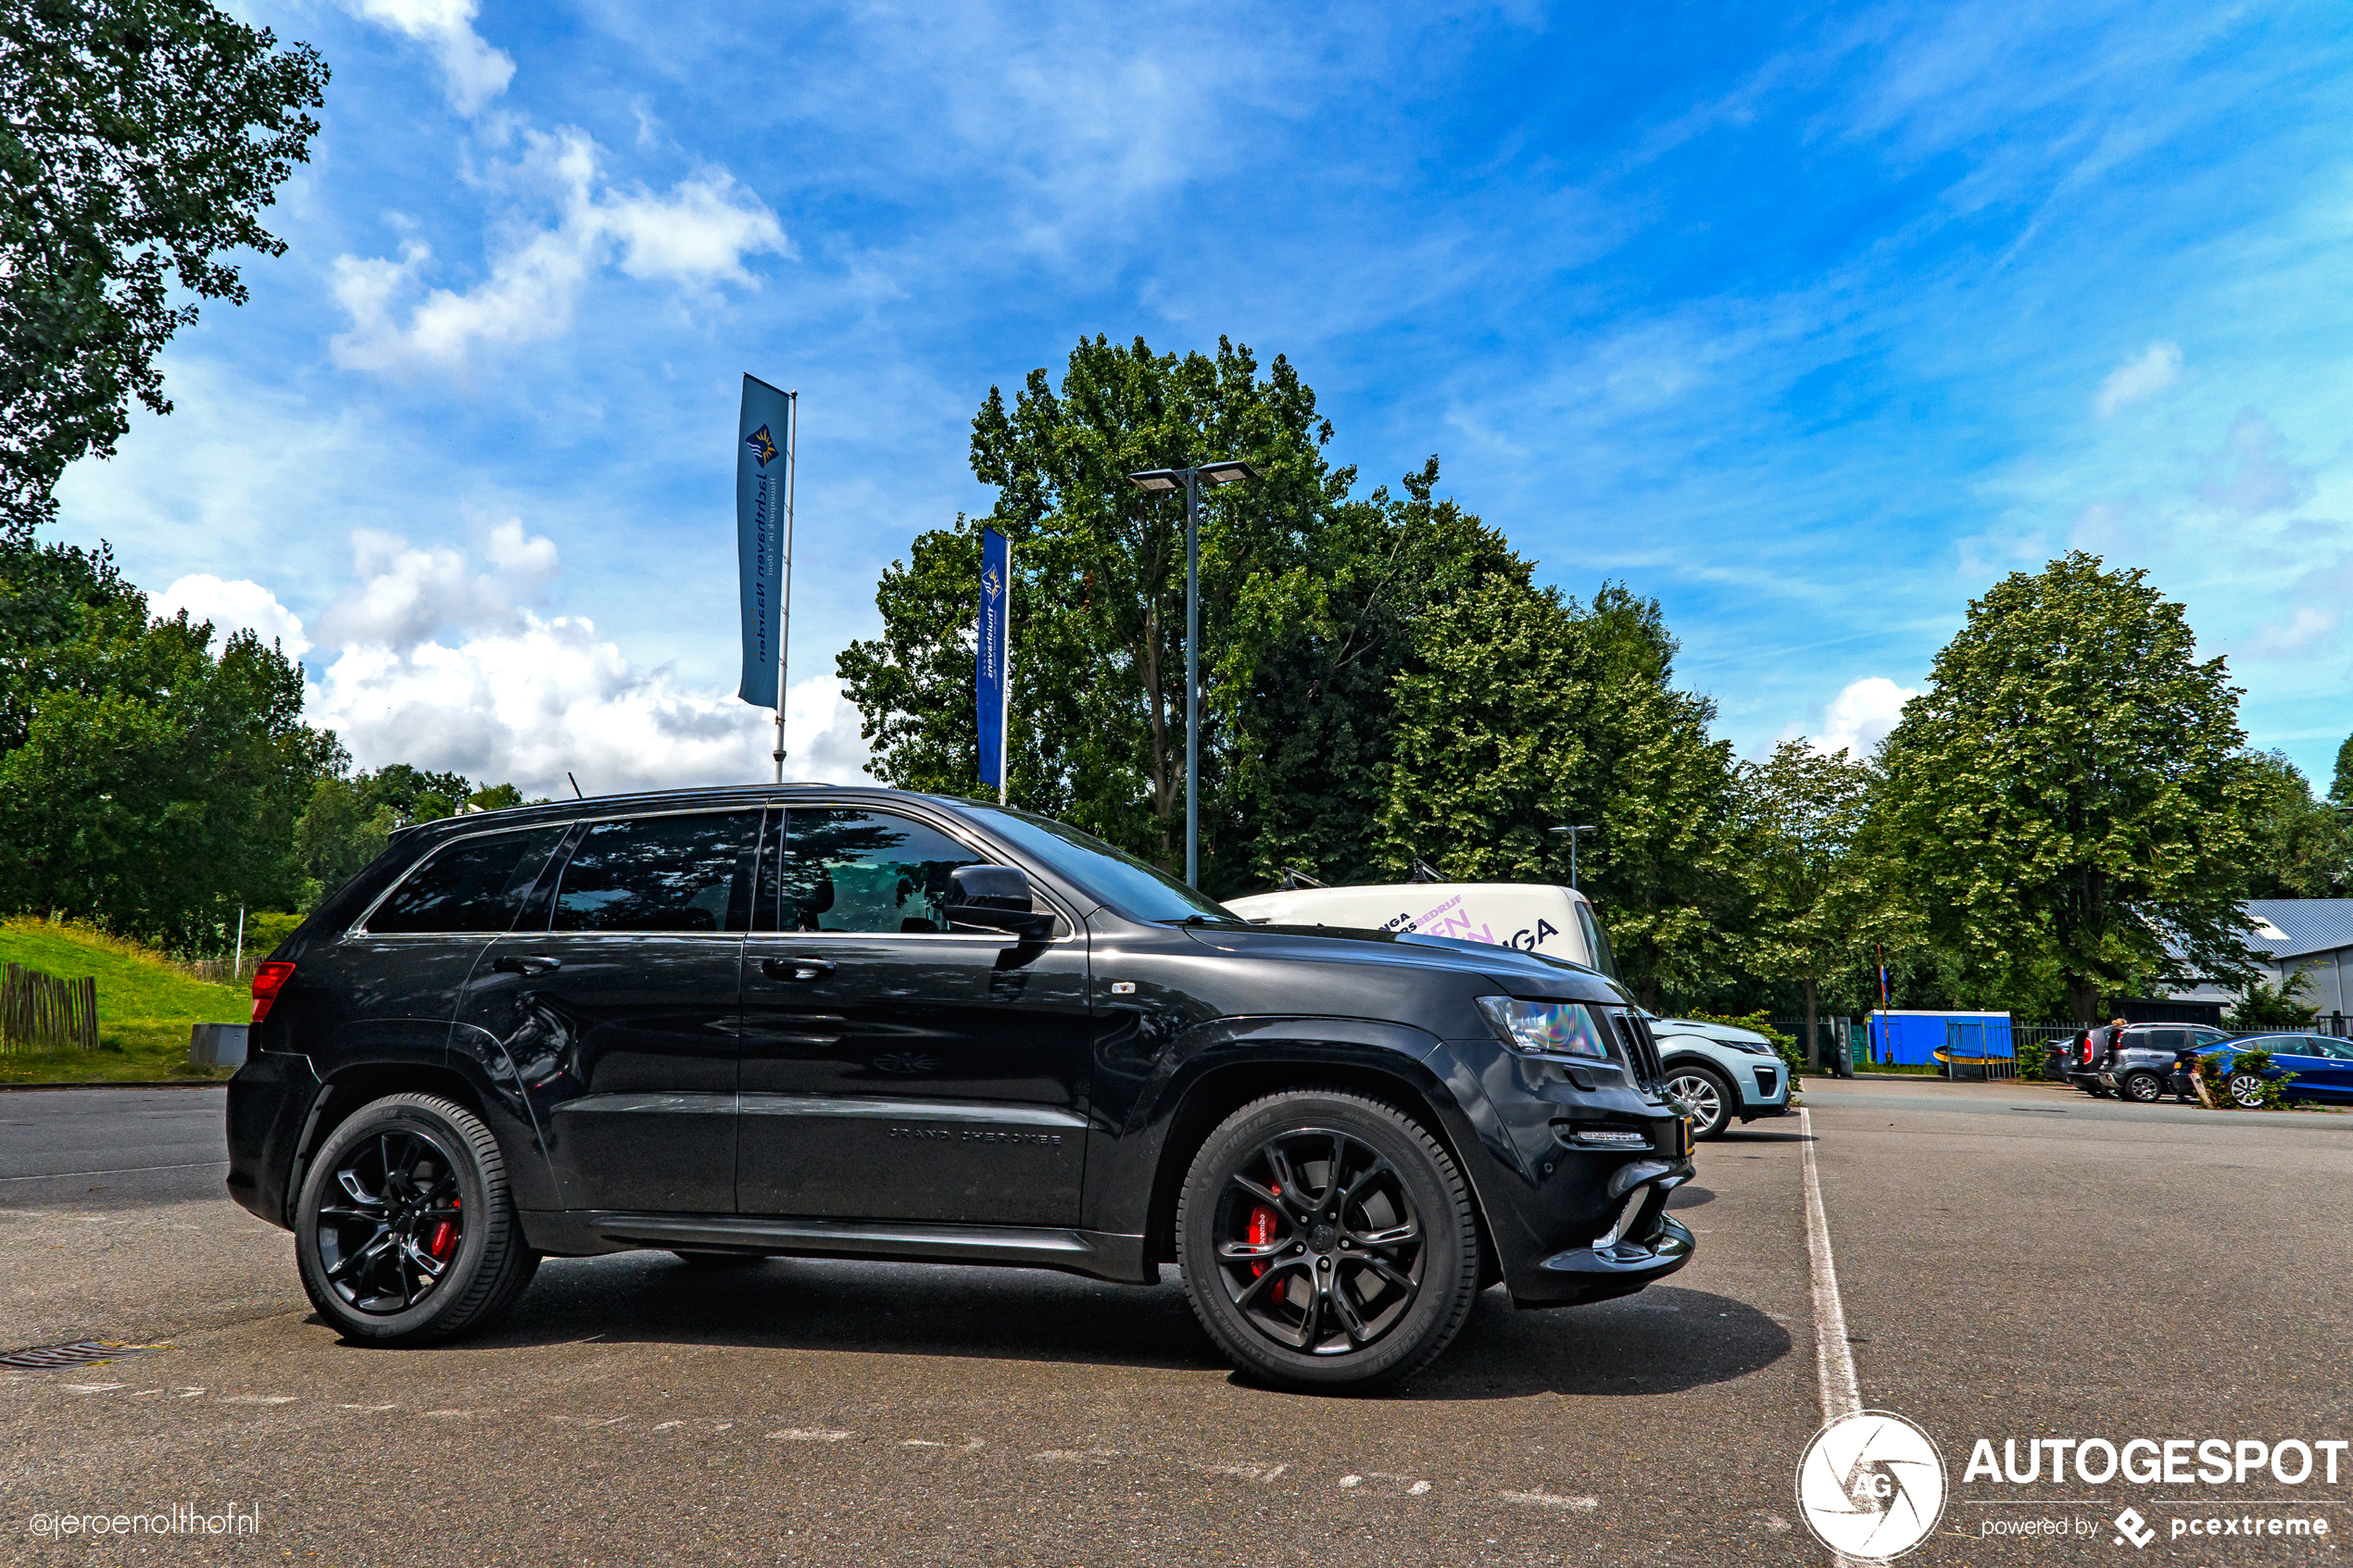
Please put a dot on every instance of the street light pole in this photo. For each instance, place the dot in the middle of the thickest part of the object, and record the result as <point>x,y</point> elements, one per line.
<point>1192,677</point>
<point>1229,471</point>
<point>1573,832</point>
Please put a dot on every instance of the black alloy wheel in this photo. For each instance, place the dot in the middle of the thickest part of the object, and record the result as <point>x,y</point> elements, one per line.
<point>388,1236</point>
<point>1706,1098</point>
<point>1326,1240</point>
<point>405,1232</point>
<point>2142,1089</point>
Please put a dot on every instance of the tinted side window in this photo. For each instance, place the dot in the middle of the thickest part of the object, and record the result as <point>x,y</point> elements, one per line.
<point>659,873</point>
<point>866,870</point>
<point>473,884</point>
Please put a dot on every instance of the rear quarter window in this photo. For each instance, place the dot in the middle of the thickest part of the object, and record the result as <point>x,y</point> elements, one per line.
<point>469,884</point>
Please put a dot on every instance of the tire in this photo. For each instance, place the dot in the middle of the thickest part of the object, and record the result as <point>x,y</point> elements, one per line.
<point>1711,1101</point>
<point>2142,1089</point>
<point>1399,1301</point>
<point>2247,1088</point>
<point>719,1259</point>
<point>421,1161</point>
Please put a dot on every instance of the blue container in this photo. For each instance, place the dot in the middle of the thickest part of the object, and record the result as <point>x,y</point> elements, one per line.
<point>1930,1040</point>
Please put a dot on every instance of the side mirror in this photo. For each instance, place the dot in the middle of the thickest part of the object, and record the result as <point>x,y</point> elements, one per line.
<point>996,898</point>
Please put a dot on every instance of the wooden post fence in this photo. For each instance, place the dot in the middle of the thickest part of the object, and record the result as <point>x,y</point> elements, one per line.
<point>41,1012</point>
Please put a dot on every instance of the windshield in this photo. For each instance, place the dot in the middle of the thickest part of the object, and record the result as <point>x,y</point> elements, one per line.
<point>1597,940</point>
<point>1135,889</point>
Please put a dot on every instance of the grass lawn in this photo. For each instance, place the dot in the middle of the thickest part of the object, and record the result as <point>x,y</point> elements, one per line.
<point>145,1004</point>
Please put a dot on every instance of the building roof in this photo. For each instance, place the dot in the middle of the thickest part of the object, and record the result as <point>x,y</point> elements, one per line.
<point>2288,928</point>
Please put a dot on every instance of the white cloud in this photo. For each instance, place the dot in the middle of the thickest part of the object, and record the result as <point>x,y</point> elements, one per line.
<point>1860,715</point>
<point>239,606</point>
<point>526,699</point>
<point>475,72</point>
<point>2157,367</point>
<point>2263,480</point>
<point>697,235</point>
<point>2306,628</point>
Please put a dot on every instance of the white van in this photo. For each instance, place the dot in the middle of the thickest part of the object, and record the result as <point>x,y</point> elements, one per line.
<point>1533,917</point>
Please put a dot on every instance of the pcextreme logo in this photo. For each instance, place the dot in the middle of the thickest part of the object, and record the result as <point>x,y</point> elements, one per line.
<point>1871,1486</point>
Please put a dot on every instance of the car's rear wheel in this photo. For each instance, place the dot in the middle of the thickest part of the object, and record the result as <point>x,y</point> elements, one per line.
<point>1706,1098</point>
<point>404,1233</point>
<point>1327,1240</point>
<point>2146,1088</point>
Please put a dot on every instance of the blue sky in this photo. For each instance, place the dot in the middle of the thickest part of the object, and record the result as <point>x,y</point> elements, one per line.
<point>1810,322</point>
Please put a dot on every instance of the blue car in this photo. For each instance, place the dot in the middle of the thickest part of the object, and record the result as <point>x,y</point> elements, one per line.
<point>2322,1068</point>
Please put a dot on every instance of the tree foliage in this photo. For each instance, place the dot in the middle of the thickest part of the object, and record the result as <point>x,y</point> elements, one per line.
<point>1382,678</point>
<point>2070,794</point>
<point>2298,847</point>
<point>147,781</point>
<point>140,141</point>
<point>1802,813</point>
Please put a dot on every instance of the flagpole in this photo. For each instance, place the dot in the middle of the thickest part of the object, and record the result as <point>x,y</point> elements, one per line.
<point>784,624</point>
<point>1005,704</point>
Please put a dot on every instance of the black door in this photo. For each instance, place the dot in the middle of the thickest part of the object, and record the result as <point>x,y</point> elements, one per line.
<point>894,1068</point>
<point>620,1017</point>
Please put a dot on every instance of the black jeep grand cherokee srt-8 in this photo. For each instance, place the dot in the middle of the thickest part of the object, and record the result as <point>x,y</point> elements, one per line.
<point>856,1023</point>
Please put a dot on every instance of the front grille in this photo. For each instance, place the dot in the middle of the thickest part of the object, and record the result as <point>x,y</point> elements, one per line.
<point>1641,1051</point>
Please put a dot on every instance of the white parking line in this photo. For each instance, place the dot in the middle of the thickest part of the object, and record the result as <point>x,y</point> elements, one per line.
<point>125,1171</point>
<point>1831,1358</point>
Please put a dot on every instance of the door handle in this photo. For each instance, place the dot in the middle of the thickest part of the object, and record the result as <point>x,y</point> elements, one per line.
<point>520,963</point>
<point>796,967</point>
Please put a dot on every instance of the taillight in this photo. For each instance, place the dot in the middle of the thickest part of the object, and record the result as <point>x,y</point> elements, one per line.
<point>268,980</point>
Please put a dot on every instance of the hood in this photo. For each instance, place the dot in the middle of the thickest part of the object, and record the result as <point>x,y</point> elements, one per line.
<point>1510,971</point>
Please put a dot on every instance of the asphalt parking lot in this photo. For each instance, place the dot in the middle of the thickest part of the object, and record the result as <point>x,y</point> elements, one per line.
<point>2011,1260</point>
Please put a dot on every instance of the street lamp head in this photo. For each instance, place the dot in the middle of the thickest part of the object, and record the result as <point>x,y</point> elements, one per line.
<point>1229,472</point>
<point>1157,479</point>
<point>1581,827</point>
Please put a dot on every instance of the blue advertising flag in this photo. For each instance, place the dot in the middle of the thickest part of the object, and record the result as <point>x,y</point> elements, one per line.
<point>993,671</point>
<point>763,460</point>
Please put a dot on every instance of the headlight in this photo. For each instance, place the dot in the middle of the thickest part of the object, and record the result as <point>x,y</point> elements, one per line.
<point>1546,1028</point>
<point>1754,1048</point>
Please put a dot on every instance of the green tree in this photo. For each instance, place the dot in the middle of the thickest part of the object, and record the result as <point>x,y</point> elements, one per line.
<point>145,781</point>
<point>140,141</point>
<point>1524,711</point>
<point>2070,795</point>
<point>1801,814</point>
<point>2341,787</point>
<point>2299,847</point>
<point>1097,618</point>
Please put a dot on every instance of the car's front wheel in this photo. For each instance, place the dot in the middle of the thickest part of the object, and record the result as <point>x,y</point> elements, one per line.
<point>1326,1240</point>
<point>2143,1088</point>
<point>404,1233</point>
<point>2247,1090</point>
<point>1705,1097</point>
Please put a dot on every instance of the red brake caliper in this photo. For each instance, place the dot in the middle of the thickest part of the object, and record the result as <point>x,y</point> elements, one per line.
<point>1262,1230</point>
<point>443,1233</point>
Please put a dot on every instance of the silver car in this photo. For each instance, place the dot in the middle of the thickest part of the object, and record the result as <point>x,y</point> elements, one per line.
<point>1721,1073</point>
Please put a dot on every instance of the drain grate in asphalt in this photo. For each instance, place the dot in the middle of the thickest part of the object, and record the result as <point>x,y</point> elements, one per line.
<point>83,1352</point>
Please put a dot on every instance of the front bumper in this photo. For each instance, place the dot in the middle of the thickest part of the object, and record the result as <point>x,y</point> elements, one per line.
<point>1596,1273</point>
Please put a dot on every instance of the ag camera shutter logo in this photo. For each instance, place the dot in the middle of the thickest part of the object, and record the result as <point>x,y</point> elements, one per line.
<point>1871,1486</point>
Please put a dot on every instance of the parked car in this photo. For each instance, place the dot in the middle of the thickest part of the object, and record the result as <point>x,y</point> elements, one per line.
<point>736,1023</point>
<point>2321,1067</point>
<point>2145,1061</point>
<point>1721,1073</point>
